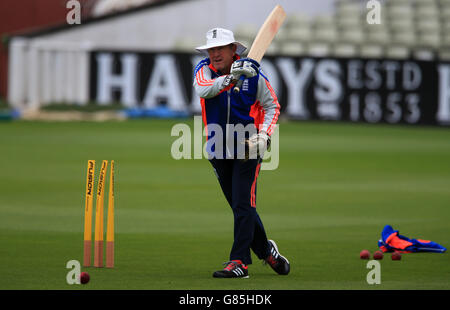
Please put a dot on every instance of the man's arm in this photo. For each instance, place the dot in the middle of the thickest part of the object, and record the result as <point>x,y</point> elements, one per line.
<point>204,85</point>
<point>258,143</point>
<point>269,102</point>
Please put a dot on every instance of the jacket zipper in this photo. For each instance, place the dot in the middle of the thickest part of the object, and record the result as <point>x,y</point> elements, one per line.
<point>228,120</point>
<point>228,106</point>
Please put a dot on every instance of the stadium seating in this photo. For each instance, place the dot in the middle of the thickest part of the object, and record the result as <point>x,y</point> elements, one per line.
<point>408,28</point>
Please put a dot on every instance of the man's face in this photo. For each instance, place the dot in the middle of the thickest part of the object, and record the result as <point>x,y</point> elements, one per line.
<point>222,57</point>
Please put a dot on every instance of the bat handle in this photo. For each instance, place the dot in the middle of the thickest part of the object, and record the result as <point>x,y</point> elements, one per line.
<point>237,87</point>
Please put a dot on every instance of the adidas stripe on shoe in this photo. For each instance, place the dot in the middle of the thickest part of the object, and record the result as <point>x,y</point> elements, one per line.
<point>278,262</point>
<point>233,269</point>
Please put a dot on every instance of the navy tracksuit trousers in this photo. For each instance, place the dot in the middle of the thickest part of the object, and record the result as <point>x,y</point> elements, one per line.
<point>237,179</point>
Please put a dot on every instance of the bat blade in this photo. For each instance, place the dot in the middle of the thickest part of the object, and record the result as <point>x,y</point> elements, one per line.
<point>263,39</point>
<point>266,33</point>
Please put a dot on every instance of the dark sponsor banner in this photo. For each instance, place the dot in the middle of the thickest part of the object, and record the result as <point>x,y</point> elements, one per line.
<point>335,89</point>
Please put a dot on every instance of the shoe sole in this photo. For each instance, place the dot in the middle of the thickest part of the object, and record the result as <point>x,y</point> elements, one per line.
<point>246,277</point>
<point>276,248</point>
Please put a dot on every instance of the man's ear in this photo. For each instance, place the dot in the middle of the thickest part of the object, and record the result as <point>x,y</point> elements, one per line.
<point>234,47</point>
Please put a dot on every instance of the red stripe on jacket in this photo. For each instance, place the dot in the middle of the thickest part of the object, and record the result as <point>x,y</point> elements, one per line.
<point>258,113</point>
<point>201,79</point>
<point>202,103</point>
<point>277,111</point>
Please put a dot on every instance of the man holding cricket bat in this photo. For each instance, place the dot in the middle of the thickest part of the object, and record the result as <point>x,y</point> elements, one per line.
<point>256,105</point>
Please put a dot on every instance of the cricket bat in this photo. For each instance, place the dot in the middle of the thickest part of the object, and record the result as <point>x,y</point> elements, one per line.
<point>263,39</point>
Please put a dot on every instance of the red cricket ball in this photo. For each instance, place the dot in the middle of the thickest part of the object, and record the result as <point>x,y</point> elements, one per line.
<point>396,256</point>
<point>378,255</point>
<point>84,277</point>
<point>364,254</point>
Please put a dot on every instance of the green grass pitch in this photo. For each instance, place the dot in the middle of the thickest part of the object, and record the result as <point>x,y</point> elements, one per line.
<point>336,186</point>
